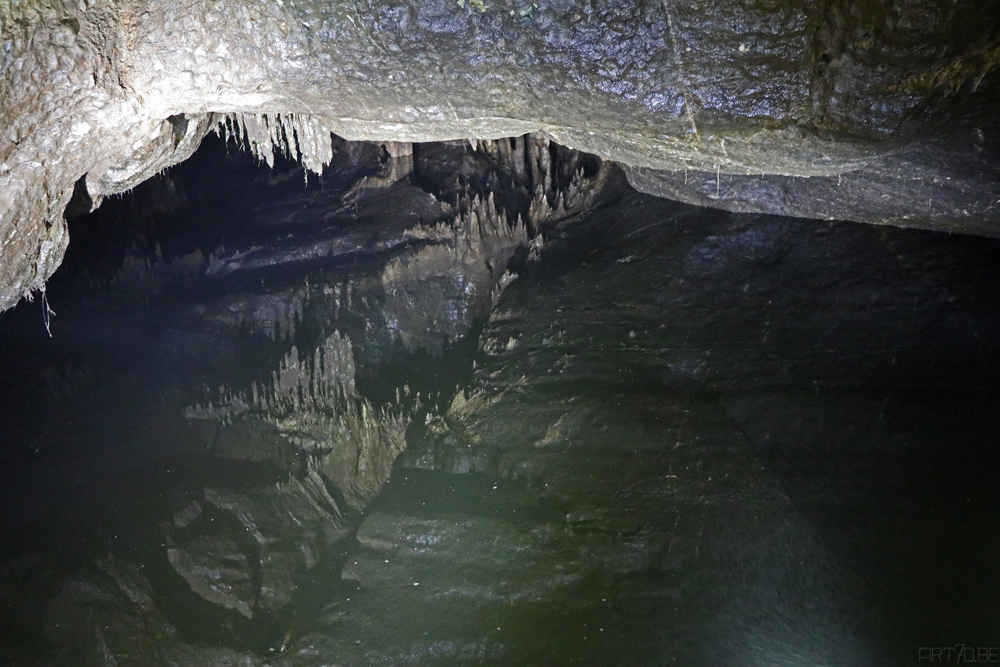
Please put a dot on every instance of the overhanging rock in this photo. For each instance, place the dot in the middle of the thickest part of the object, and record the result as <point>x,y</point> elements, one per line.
<point>843,91</point>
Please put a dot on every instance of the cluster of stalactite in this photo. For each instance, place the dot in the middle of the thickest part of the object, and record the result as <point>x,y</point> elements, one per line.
<point>314,404</point>
<point>292,135</point>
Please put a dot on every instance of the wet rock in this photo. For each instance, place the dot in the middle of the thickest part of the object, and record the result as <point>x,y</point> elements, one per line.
<point>372,270</point>
<point>347,447</point>
<point>403,551</point>
<point>314,407</point>
<point>293,525</point>
<point>439,290</point>
<point>348,238</point>
<point>108,615</point>
<point>186,655</point>
<point>188,515</point>
<point>246,551</point>
<point>216,570</point>
<point>679,439</point>
<point>250,439</point>
<point>955,194</point>
<point>287,462</point>
<point>702,499</point>
<point>326,227</point>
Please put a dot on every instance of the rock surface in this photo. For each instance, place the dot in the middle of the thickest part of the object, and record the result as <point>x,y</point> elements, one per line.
<point>380,268</point>
<point>679,433</point>
<point>689,438</point>
<point>112,91</point>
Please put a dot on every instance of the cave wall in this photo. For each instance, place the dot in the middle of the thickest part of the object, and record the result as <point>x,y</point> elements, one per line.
<point>787,98</point>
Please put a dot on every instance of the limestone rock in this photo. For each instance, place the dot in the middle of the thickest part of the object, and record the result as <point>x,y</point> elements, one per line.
<point>107,614</point>
<point>218,571</point>
<point>115,91</point>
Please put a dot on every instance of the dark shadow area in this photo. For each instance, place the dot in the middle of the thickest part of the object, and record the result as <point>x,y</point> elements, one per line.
<point>455,404</point>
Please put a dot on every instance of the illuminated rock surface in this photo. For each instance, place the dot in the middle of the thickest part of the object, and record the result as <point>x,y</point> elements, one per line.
<point>887,107</point>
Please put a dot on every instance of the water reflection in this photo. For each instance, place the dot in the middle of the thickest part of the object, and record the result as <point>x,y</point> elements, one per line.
<point>678,437</point>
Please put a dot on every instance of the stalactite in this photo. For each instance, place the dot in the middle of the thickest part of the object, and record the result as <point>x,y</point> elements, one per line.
<point>291,135</point>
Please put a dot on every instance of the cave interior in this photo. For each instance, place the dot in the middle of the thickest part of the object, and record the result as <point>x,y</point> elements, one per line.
<point>483,402</point>
<point>575,334</point>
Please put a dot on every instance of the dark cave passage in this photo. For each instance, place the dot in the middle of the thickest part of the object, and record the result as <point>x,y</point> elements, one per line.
<point>485,404</point>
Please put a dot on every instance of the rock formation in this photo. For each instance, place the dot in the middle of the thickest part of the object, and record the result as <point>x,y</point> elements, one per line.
<point>399,368</point>
<point>892,102</point>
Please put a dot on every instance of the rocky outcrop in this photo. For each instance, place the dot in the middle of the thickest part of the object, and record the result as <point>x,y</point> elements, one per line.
<point>928,185</point>
<point>700,437</point>
<point>726,439</point>
<point>113,91</point>
<point>439,290</point>
<point>243,548</point>
<point>327,301</point>
<point>421,278</point>
<point>108,616</point>
<point>335,443</point>
<point>216,570</point>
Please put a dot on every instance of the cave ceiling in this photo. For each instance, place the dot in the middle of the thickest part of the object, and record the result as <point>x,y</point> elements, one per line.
<point>878,112</point>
